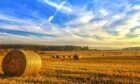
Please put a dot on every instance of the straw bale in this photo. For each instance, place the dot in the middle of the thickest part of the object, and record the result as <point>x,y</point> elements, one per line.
<point>20,63</point>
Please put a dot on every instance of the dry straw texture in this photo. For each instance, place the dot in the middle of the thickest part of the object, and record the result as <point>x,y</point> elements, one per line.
<point>20,63</point>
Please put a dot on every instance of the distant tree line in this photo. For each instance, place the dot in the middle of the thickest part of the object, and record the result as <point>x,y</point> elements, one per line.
<point>132,48</point>
<point>43,47</point>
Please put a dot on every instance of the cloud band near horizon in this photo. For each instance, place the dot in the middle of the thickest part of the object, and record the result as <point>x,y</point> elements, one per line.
<point>94,23</point>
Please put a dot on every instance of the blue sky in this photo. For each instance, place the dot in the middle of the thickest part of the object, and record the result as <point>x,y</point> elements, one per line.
<point>97,23</point>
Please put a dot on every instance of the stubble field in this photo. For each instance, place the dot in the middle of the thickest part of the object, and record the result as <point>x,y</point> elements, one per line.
<point>90,68</point>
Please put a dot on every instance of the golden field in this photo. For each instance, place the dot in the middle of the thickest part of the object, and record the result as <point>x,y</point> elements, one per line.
<point>93,67</point>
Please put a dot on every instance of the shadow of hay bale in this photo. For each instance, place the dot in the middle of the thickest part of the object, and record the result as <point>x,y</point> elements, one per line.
<point>3,76</point>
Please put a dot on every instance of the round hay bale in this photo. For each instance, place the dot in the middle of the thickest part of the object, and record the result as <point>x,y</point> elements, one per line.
<point>76,57</point>
<point>21,63</point>
<point>57,56</point>
<point>53,56</point>
<point>64,57</point>
<point>69,56</point>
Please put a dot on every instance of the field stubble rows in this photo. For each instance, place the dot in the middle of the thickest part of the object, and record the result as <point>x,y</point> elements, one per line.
<point>83,71</point>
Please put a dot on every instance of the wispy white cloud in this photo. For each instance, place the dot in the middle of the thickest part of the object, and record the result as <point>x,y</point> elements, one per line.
<point>83,17</point>
<point>13,19</point>
<point>136,7</point>
<point>104,12</point>
<point>59,7</point>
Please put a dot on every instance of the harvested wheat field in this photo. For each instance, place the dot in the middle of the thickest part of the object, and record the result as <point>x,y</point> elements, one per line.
<point>95,70</point>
